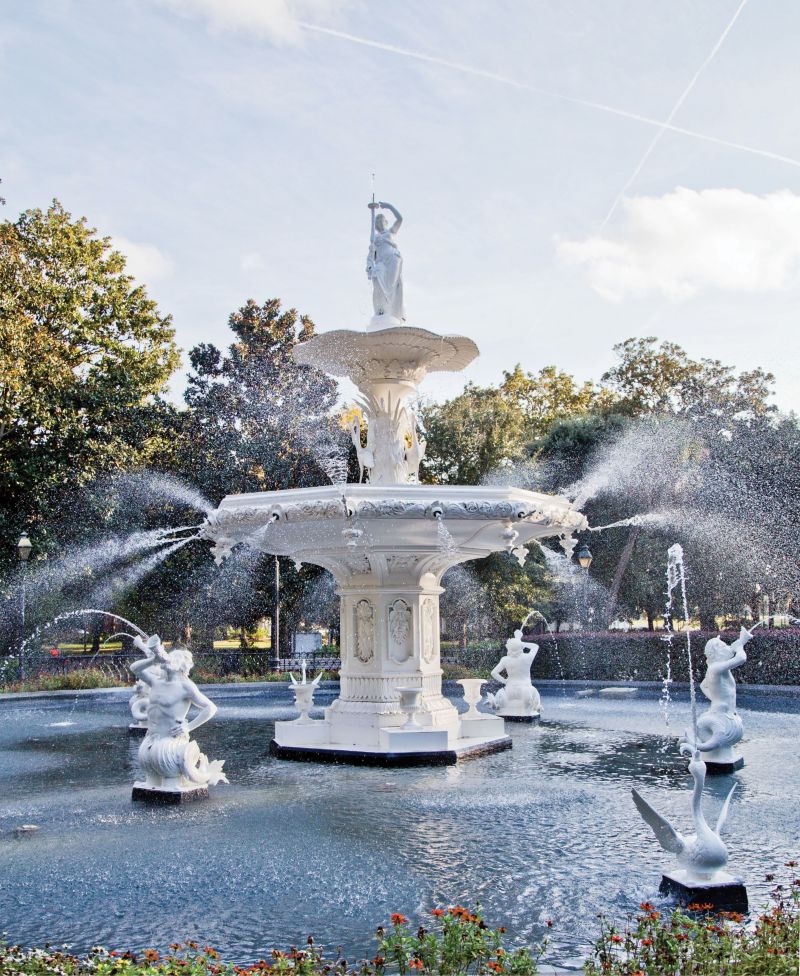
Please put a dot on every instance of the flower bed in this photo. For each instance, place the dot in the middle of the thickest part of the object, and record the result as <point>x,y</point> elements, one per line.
<point>458,941</point>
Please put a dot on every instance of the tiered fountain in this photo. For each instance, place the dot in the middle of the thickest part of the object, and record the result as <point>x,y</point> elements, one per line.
<point>388,542</point>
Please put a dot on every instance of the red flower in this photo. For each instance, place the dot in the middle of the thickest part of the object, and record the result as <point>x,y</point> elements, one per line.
<point>437,912</point>
<point>151,955</point>
<point>416,964</point>
<point>496,967</point>
<point>616,938</point>
<point>398,919</point>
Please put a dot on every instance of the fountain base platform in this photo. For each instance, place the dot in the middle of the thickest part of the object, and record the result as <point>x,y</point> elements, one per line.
<point>168,798</point>
<point>723,768</point>
<point>529,719</point>
<point>726,893</point>
<point>403,748</point>
<point>137,730</point>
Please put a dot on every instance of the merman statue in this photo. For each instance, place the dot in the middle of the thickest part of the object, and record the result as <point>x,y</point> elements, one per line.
<point>175,769</point>
<point>720,728</point>
<point>517,700</point>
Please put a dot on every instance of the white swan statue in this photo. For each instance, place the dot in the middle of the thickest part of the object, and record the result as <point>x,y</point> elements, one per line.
<point>702,855</point>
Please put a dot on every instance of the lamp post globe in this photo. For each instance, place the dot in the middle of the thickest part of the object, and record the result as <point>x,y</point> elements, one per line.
<point>24,547</point>
<point>584,556</point>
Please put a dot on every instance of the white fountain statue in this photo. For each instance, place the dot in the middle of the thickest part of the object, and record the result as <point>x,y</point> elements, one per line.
<point>175,770</point>
<point>517,700</point>
<point>702,856</point>
<point>139,703</point>
<point>720,728</point>
<point>385,268</point>
<point>304,694</point>
<point>383,541</point>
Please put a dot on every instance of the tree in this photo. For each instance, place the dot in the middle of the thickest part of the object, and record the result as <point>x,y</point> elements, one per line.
<point>487,428</point>
<point>652,378</point>
<point>259,421</point>
<point>84,354</point>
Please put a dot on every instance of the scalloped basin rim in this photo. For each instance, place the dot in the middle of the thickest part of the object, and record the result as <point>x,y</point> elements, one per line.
<point>421,494</point>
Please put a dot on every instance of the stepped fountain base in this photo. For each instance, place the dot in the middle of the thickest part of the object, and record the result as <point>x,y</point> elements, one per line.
<point>726,893</point>
<point>529,719</point>
<point>359,756</point>
<point>724,768</point>
<point>168,798</point>
<point>331,740</point>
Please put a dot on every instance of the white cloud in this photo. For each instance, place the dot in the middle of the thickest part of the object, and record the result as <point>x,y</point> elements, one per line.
<point>688,240</point>
<point>273,19</point>
<point>144,261</point>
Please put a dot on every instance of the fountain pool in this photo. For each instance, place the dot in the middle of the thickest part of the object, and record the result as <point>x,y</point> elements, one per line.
<point>545,831</point>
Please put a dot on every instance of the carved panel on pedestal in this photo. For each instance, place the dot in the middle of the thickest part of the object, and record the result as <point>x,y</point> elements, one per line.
<point>400,631</point>
<point>428,624</point>
<point>364,631</point>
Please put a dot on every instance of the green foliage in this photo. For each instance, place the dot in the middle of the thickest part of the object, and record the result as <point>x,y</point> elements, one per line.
<point>84,354</point>
<point>652,378</point>
<point>487,428</point>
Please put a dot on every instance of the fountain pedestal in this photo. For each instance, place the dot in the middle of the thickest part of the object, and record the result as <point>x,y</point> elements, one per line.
<point>722,892</point>
<point>390,710</point>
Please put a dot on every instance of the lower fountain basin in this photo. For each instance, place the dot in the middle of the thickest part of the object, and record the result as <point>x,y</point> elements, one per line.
<point>546,830</point>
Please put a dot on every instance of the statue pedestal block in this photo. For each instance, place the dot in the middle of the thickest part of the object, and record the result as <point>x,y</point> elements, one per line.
<point>482,728</point>
<point>722,893</point>
<point>168,798</point>
<point>530,719</point>
<point>723,768</point>
<point>137,729</point>
<point>313,733</point>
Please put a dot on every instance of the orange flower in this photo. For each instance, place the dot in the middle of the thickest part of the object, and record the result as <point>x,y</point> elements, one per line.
<point>416,964</point>
<point>646,906</point>
<point>398,919</point>
<point>151,955</point>
<point>437,912</point>
<point>496,967</point>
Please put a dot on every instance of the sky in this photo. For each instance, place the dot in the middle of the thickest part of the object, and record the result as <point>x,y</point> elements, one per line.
<point>570,172</point>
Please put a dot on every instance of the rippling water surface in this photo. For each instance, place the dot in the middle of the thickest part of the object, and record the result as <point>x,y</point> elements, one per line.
<point>545,831</point>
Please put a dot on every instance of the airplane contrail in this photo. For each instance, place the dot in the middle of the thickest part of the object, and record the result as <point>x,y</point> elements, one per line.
<point>546,92</point>
<point>673,112</point>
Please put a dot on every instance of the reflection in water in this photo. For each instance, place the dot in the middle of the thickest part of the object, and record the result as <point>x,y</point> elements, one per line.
<point>547,830</point>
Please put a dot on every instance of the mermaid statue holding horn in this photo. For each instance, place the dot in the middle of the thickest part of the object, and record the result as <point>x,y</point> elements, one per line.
<point>169,758</point>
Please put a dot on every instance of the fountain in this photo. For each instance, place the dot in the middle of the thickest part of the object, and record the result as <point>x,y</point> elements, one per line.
<point>389,566</point>
<point>517,700</point>
<point>720,728</point>
<point>701,877</point>
<point>175,769</point>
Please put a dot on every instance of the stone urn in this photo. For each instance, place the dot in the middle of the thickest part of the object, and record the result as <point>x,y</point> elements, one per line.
<point>409,702</point>
<point>472,695</point>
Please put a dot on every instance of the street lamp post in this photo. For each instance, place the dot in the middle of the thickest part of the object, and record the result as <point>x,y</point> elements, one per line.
<point>584,557</point>
<point>24,547</point>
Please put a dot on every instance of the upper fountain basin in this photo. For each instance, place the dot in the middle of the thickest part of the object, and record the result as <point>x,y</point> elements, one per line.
<point>339,526</point>
<point>403,352</point>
